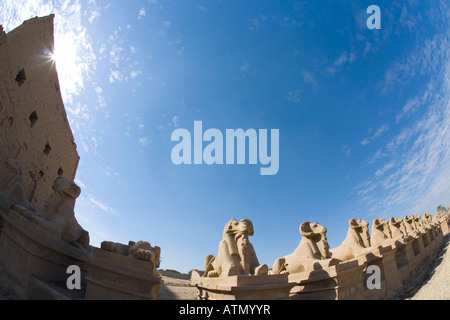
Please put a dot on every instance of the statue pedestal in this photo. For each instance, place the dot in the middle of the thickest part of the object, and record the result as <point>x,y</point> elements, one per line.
<point>268,287</point>
<point>338,282</point>
<point>117,277</point>
<point>27,251</point>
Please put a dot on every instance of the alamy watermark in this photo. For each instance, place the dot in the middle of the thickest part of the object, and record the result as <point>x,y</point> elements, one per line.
<point>235,141</point>
<point>374,21</point>
<point>373,282</point>
<point>74,280</point>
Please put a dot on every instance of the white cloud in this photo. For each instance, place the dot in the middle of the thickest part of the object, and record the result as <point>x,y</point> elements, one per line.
<point>408,19</point>
<point>309,78</point>
<point>412,105</point>
<point>123,66</point>
<point>175,121</point>
<point>254,24</point>
<point>135,73</point>
<point>143,141</point>
<point>94,15</point>
<point>378,155</point>
<point>383,128</point>
<point>88,202</point>
<point>245,66</point>
<point>385,168</point>
<point>347,150</point>
<point>344,58</point>
<point>167,24</point>
<point>294,96</point>
<point>102,102</point>
<point>99,204</point>
<point>142,13</point>
<point>115,75</point>
<point>102,49</point>
<point>116,55</point>
<point>425,59</point>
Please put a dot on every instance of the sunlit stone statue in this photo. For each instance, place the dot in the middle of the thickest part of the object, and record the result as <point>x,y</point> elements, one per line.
<point>357,241</point>
<point>57,214</point>
<point>398,228</point>
<point>312,252</point>
<point>12,190</point>
<point>427,218</point>
<point>411,226</point>
<point>427,222</point>
<point>141,250</point>
<point>420,225</point>
<point>380,232</point>
<point>236,255</point>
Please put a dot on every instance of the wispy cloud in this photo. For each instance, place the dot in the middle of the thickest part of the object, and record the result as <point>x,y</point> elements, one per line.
<point>93,17</point>
<point>245,66</point>
<point>415,174</point>
<point>123,65</point>
<point>344,58</point>
<point>143,141</point>
<point>294,96</point>
<point>383,128</point>
<point>385,168</point>
<point>142,13</point>
<point>176,121</point>
<point>254,24</point>
<point>425,59</point>
<point>309,78</point>
<point>412,105</point>
<point>378,155</point>
<point>347,150</point>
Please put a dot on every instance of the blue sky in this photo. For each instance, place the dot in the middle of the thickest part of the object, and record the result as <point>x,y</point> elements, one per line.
<point>363,115</point>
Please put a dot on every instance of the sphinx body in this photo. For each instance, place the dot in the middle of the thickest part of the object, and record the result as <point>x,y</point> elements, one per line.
<point>357,241</point>
<point>312,252</point>
<point>398,228</point>
<point>57,215</point>
<point>236,255</point>
<point>381,232</point>
<point>412,228</point>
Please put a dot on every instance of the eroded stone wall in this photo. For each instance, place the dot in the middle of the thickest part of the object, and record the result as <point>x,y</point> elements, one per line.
<point>34,128</point>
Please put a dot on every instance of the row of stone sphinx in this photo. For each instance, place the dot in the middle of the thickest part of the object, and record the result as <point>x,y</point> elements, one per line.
<point>236,255</point>
<point>401,248</point>
<point>37,246</point>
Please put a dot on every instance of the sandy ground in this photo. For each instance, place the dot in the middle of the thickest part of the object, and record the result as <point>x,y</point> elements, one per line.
<point>177,289</point>
<point>435,283</point>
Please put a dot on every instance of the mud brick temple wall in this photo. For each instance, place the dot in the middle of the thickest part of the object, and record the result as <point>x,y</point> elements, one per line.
<point>33,123</point>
